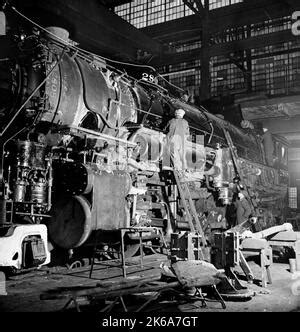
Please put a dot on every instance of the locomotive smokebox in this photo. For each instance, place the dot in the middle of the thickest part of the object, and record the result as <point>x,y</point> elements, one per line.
<point>75,218</point>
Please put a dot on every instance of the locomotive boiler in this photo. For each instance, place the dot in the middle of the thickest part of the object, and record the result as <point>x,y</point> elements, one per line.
<point>84,152</point>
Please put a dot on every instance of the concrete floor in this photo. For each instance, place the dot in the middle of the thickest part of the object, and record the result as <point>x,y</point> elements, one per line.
<point>283,295</point>
<point>24,292</point>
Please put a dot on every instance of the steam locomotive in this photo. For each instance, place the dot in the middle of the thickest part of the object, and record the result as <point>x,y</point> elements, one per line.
<point>84,153</point>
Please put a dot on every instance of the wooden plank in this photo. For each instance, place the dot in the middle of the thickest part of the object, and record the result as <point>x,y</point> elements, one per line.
<point>101,288</point>
<point>134,290</point>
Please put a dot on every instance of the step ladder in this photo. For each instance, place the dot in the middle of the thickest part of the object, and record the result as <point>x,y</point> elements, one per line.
<point>189,207</point>
<point>235,158</point>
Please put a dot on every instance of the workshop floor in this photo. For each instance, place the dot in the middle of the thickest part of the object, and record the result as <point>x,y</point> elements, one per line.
<point>283,295</point>
<point>24,292</point>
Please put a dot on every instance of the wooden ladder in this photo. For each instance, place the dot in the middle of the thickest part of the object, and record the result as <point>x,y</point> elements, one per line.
<point>189,207</point>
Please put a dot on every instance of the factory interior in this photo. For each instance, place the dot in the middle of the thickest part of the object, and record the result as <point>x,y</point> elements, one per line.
<point>150,156</point>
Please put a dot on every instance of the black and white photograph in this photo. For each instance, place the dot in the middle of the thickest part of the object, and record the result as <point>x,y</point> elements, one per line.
<point>149,159</point>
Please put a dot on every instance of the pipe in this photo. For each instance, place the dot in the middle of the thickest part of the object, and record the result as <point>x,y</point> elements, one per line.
<point>50,184</point>
<point>101,136</point>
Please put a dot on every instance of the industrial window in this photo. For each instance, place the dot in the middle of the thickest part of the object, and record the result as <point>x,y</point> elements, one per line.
<point>213,4</point>
<point>225,77</point>
<point>293,198</point>
<point>124,11</point>
<point>174,10</point>
<point>294,77</point>
<point>156,12</point>
<point>184,65</point>
<point>139,13</point>
<point>230,34</point>
<point>276,69</point>
<point>271,26</point>
<point>188,46</point>
<point>142,13</point>
<point>187,80</point>
<point>185,75</point>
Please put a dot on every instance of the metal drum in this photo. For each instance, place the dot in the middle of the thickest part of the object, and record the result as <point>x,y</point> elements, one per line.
<point>31,154</point>
<point>20,191</point>
<point>38,192</point>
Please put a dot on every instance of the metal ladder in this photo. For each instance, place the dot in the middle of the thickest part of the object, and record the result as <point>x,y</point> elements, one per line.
<point>189,207</point>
